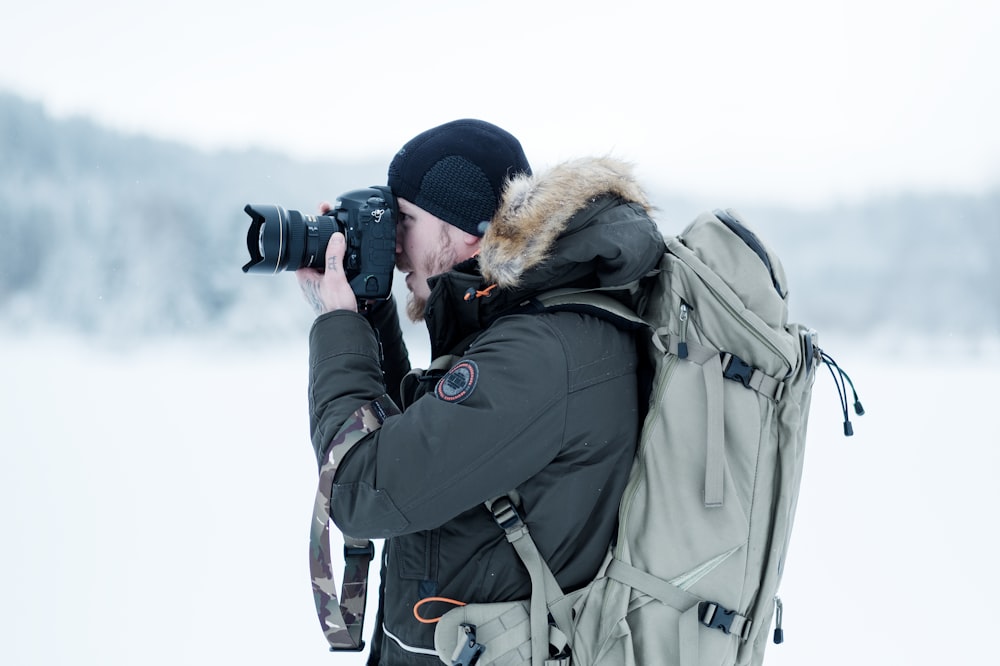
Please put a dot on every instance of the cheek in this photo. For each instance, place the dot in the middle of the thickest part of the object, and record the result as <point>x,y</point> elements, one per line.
<point>405,248</point>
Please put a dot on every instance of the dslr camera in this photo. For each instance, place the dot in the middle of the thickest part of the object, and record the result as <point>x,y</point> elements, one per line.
<point>280,239</point>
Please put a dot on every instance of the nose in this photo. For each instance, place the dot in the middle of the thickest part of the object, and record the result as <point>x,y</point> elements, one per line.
<point>399,239</point>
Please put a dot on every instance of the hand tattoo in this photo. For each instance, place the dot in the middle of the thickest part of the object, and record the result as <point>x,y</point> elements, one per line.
<point>311,290</point>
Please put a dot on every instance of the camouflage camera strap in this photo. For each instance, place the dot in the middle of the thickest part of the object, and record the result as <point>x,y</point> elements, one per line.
<point>343,620</point>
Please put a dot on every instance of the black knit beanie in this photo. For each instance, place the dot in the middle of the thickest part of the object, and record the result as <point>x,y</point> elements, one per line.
<point>457,171</point>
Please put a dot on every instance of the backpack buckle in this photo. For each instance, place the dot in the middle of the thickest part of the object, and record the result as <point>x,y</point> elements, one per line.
<point>733,367</point>
<point>469,649</point>
<point>729,621</point>
<point>505,514</point>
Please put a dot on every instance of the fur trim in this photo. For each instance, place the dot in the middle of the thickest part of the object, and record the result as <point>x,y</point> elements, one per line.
<point>534,211</point>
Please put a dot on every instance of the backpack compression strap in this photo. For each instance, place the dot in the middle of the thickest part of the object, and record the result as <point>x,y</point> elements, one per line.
<point>695,611</point>
<point>343,621</point>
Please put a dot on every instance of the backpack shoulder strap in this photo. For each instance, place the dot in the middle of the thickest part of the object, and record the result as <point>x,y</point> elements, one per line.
<point>591,301</point>
<point>545,590</point>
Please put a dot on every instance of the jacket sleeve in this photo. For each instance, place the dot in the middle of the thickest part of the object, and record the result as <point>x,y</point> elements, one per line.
<point>344,373</point>
<point>384,318</point>
<point>452,450</point>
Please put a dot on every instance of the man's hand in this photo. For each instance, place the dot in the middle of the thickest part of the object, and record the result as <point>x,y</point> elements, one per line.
<point>329,290</point>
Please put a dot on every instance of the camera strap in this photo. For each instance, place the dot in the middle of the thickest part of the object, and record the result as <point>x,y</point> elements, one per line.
<point>342,619</point>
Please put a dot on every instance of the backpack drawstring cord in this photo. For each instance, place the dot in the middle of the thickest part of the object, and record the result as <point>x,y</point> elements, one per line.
<point>841,380</point>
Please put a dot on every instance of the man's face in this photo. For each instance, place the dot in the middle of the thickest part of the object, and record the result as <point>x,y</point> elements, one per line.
<point>426,246</point>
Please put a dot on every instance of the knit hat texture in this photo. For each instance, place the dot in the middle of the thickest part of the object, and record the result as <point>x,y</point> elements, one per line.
<point>457,171</point>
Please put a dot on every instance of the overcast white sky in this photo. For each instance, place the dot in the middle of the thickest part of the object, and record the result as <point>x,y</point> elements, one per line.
<point>775,100</point>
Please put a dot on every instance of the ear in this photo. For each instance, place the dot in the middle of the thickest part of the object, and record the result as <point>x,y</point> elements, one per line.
<point>466,244</point>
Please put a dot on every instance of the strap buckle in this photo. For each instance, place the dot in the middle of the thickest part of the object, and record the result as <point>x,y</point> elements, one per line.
<point>470,649</point>
<point>729,621</point>
<point>733,367</point>
<point>505,514</point>
<point>366,550</point>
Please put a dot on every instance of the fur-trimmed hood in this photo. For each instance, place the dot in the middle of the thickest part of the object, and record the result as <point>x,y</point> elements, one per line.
<point>582,224</point>
<point>531,231</point>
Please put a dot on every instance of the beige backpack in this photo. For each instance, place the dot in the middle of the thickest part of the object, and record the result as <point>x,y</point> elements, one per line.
<point>707,513</point>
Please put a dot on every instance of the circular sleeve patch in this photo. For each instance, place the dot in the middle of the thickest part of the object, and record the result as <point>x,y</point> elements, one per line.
<point>458,383</point>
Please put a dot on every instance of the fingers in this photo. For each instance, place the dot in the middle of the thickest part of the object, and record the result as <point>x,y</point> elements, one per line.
<point>329,290</point>
<point>333,260</point>
<point>337,291</point>
<point>335,253</point>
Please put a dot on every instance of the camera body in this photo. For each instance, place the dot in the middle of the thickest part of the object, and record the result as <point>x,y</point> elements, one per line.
<point>280,239</point>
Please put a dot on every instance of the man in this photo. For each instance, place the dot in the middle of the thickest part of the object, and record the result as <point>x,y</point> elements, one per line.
<point>545,403</point>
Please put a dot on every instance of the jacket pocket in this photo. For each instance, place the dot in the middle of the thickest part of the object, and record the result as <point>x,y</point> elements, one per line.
<point>416,555</point>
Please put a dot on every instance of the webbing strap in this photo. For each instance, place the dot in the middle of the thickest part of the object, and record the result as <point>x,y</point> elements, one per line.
<point>647,583</point>
<point>574,299</point>
<point>766,385</point>
<point>671,595</point>
<point>525,547</point>
<point>342,620</point>
<point>688,637</point>
<point>716,367</point>
<point>545,589</point>
<point>715,435</point>
<point>695,612</point>
<point>715,450</point>
<point>733,367</point>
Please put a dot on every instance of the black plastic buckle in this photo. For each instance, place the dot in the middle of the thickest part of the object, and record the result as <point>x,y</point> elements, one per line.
<point>718,617</point>
<point>736,368</point>
<point>469,654</point>
<point>360,648</point>
<point>505,514</point>
<point>366,551</point>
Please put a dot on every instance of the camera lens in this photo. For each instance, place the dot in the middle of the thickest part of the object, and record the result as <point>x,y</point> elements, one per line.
<point>280,239</point>
<point>266,239</point>
<point>310,246</point>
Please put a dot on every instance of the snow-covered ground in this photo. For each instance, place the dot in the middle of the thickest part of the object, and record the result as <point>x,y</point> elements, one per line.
<point>155,510</point>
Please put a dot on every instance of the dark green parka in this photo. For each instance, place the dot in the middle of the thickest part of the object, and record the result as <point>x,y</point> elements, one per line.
<point>544,403</point>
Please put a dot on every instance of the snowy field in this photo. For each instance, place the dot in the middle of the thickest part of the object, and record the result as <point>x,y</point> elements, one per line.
<point>156,507</point>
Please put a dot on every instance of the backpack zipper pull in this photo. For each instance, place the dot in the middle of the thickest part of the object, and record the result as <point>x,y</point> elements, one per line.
<point>779,633</point>
<point>682,345</point>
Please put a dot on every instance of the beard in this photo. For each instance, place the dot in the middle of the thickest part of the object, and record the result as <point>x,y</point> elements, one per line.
<point>415,307</point>
<point>440,262</point>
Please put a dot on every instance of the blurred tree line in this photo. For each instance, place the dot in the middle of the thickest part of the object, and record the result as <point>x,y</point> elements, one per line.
<point>114,234</point>
<point>118,235</point>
